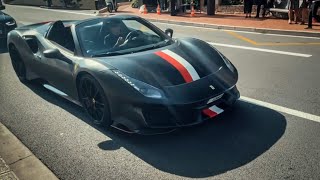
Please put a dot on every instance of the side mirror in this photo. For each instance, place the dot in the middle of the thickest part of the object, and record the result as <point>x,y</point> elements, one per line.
<point>56,54</point>
<point>2,7</point>
<point>52,53</point>
<point>169,32</point>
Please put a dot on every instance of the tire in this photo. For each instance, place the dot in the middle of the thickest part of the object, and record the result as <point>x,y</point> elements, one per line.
<point>18,64</point>
<point>94,101</point>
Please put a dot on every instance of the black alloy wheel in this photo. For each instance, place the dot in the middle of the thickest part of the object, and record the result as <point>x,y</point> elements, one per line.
<point>18,64</point>
<point>94,101</point>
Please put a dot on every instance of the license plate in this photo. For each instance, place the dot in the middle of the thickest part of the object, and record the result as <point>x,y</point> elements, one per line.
<point>215,98</point>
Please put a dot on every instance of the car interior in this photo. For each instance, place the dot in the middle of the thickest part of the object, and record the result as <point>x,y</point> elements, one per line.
<point>61,35</point>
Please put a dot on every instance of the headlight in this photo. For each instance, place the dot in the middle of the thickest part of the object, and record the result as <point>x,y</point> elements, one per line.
<point>145,89</point>
<point>11,23</point>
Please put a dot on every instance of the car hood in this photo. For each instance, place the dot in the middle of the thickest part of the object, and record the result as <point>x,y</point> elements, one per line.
<point>170,66</point>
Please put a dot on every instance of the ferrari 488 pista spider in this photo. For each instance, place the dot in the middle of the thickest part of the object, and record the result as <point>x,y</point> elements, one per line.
<point>126,72</point>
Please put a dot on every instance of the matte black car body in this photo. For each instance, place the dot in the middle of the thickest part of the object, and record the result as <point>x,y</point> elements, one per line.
<point>7,24</point>
<point>181,103</point>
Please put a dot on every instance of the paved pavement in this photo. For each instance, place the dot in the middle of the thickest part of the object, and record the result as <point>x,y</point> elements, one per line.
<point>18,162</point>
<point>273,133</point>
<point>229,21</point>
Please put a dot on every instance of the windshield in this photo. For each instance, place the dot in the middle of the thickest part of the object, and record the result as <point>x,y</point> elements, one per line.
<point>116,36</point>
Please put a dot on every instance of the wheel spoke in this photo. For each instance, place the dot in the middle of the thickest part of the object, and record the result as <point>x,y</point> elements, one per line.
<point>88,89</point>
<point>83,92</point>
<point>20,68</point>
<point>99,104</point>
<point>92,100</point>
<point>96,93</point>
<point>96,115</point>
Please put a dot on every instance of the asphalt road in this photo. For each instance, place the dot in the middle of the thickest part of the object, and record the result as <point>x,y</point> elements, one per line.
<point>251,142</point>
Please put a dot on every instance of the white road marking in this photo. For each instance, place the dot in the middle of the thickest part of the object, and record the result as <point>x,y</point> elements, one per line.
<point>283,35</point>
<point>282,109</point>
<point>55,10</point>
<point>24,23</point>
<point>262,50</point>
<point>71,12</point>
<point>246,32</point>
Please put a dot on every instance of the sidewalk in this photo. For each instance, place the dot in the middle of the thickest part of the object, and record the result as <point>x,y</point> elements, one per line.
<point>18,162</point>
<point>229,21</point>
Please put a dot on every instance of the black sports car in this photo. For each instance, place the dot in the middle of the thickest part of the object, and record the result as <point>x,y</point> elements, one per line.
<point>7,23</point>
<point>126,72</point>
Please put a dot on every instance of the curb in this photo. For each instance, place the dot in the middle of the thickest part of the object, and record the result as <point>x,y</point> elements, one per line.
<point>238,28</point>
<point>19,161</point>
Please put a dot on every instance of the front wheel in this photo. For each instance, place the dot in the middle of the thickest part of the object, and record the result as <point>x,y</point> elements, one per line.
<point>94,101</point>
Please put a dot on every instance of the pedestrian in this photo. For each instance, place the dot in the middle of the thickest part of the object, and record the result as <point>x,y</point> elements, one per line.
<point>65,3</point>
<point>248,7</point>
<point>49,3</point>
<point>259,4</point>
<point>313,10</point>
<point>304,12</point>
<point>293,9</point>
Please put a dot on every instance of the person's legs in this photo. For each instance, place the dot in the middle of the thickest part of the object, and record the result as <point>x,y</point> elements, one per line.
<point>264,9</point>
<point>310,17</point>
<point>315,9</point>
<point>258,10</point>
<point>304,15</point>
<point>296,15</point>
<point>250,8</point>
<point>290,11</point>
<point>290,15</point>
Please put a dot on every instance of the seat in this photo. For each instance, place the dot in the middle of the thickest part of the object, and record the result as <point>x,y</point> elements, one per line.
<point>57,33</point>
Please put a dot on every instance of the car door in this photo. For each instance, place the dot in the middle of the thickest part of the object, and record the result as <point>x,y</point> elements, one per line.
<point>58,71</point>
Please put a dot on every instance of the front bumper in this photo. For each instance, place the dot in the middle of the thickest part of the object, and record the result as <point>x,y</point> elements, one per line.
<point>159,118</point>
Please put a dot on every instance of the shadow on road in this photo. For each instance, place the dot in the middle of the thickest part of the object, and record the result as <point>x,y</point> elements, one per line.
<point>227,142</point>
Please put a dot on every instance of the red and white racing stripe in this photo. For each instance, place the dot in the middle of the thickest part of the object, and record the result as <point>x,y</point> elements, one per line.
<point>212,111</point>
<point>188,73</point>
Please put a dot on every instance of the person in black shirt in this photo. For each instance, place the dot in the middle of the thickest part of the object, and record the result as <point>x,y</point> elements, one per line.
<point>259,4</point>
<point>115,37</point>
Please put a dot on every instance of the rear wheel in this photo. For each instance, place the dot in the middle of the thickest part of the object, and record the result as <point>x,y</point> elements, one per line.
<point>94,101</point>
<point>18,64</point>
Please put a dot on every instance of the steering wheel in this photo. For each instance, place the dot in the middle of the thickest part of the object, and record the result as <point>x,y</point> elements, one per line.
<point>133,34</point>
